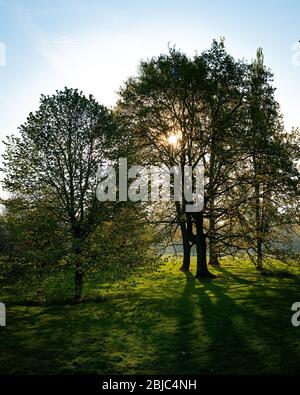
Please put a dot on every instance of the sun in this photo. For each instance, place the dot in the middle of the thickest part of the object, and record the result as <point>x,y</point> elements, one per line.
<point>172,139</point>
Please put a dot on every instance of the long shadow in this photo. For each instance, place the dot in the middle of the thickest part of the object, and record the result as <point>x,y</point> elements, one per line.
<point>235,277</point>
<point>186,319</point>
<point>196,327</point>
<point>251,336</point>
<point>229,351</point>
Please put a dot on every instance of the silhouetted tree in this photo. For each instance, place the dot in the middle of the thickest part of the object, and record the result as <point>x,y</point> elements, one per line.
<point>55,160</point>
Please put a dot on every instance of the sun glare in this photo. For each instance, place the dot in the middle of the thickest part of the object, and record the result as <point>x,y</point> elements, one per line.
<point>172,139</point>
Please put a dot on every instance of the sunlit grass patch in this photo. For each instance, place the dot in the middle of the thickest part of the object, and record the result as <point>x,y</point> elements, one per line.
<point>162,322</point>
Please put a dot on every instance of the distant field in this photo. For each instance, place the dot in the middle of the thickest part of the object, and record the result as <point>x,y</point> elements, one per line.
<point>161,322</point>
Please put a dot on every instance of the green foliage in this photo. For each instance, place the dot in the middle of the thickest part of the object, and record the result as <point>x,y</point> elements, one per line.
<point>40,269</point>
<point>126,241</point>
<point>225,115</point>
<point>34,233</point>
<point>52,169</point>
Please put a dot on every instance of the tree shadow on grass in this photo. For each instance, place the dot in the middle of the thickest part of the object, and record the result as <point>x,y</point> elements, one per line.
<point>173,325</point>
<point>217,347</point>
<point>251,332</point>
<point>228,274</point>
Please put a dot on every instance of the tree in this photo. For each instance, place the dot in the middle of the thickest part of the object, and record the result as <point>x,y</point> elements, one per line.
<point>197,100</point>
<point>225,98</point>
<point>266,180</point>
<point>162,101</point>
<point>55,160</point>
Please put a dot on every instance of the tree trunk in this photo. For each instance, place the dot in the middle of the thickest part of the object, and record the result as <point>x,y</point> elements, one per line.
<point>186,228</point>
<point>78,284</point>
<point>213,253</point>
<point>259,255</point>
<point>78,277</point>
<point>258,227</point>
<point>186,261</point>
<point>213,259</point>
<point>202,269</point>
<point>186,250</point>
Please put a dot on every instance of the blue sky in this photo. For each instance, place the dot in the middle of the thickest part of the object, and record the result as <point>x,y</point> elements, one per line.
<point>95,45</point>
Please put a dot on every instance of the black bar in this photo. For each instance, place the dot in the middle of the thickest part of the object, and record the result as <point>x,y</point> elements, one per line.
<point>132,384</point>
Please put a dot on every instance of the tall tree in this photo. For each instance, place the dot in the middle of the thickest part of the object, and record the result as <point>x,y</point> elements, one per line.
<point>193,102</point>
<point>266,187</point>
<point>55,160</point>
<point>225,98</point>
<point>165,101</point>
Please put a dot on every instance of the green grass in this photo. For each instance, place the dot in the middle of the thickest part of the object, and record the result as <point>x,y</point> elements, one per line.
<point>163,322</point>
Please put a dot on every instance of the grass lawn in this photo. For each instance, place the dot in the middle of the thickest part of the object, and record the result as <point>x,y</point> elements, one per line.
<point>163,322</point>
